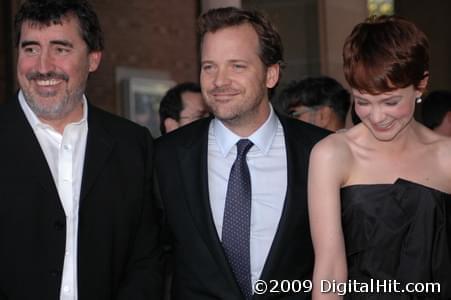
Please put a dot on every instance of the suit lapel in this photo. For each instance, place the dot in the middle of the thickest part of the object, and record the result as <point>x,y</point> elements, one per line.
<point>294,204</point>
<point>20,136</point>
<point>194,169</point>
<point>98,148</point>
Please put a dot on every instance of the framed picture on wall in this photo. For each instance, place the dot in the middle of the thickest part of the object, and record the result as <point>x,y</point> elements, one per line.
<point>142,98</point>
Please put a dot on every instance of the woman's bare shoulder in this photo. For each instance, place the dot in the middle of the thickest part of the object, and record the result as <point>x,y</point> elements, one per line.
<point>444,144</point>
<point>337,144</point>
<point>436,153</point>
<point>444,153</point>
<point>335,149</point>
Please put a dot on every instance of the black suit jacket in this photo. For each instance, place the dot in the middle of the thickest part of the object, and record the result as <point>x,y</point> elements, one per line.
<point>118,253</point>
<point>201,270</point>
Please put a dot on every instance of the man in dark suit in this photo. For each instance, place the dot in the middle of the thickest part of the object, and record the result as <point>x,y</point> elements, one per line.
<point>233,187</point>
<point>76,214</point>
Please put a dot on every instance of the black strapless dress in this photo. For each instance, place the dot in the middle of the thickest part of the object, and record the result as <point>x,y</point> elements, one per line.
<point>401,232</point>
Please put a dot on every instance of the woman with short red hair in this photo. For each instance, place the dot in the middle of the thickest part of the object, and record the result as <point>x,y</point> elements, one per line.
<point>380,193</point>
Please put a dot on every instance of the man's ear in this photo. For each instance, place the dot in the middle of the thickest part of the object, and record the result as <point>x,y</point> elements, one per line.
<point>324,116</point>
<point>170,124</point>
<point>272,75</point>
<point>94,60</point>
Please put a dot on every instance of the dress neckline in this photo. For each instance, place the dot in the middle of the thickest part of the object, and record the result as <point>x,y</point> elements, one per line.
<point>398,182</point>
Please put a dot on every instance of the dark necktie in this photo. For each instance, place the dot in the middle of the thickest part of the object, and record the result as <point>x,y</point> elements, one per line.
<point>237,219</point>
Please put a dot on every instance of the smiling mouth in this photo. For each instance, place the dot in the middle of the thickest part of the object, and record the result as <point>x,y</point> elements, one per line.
<point>228,94</point>
<point>382,127</point>
<point>50,82</point>
<point>224,97</point>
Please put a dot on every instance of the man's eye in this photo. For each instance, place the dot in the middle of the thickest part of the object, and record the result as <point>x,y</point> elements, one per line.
<point>239,66</point>
<point>361,103</point>
<point>30,50</point>
<point>61,50</point>
<point>207,68</point>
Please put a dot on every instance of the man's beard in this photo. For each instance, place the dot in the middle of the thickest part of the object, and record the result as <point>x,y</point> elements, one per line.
<point>60,108</point>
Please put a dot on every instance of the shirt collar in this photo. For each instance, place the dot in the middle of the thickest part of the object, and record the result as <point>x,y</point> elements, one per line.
<point>34,120</point>
<point>262,138</point>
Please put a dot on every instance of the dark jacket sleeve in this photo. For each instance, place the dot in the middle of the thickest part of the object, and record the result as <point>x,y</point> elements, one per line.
<point>143,278</point>
<point>2,296</point>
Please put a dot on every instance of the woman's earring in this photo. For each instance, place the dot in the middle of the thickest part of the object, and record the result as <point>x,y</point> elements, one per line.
<point>418,99</point>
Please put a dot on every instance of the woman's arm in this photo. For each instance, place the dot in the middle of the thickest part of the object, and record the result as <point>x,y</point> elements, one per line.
<point>329,162</point>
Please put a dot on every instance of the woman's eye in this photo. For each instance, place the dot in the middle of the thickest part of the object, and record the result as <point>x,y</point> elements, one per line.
<point>391,103</point>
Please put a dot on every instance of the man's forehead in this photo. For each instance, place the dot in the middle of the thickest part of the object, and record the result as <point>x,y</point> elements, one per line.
<point>190,96</point>
<point>244,28</point>
<point>234,43</point>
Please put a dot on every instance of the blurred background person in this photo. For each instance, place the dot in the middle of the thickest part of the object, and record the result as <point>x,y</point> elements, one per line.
<point>181,105</point>
<point>321,101</point>
<point>436,112</point>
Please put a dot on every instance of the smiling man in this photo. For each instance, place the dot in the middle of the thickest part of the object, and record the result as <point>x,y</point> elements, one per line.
<point>76,214</point>
<point>53,67</point>
<point>238,213</point>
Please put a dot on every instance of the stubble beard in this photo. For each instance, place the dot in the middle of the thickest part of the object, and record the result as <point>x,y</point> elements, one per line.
<point>240,116</point>
<point>60,109</point>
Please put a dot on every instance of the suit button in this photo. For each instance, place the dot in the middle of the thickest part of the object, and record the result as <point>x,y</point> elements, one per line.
<point>58,225</point>
<point>54,273</point>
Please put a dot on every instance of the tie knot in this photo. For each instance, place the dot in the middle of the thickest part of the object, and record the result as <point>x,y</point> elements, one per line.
<point>243,147</point>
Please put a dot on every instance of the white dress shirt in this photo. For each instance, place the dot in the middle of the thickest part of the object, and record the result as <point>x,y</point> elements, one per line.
<point>267,161</point>
<point>65,156</point>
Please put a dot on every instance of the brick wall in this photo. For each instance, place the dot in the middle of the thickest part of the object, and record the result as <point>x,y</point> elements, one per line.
<point>148,35</point>
<point>142,34</point>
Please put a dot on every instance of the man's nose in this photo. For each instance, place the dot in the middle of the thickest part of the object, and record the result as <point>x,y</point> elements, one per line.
<point>45,62</point>
<point>222,77</point>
